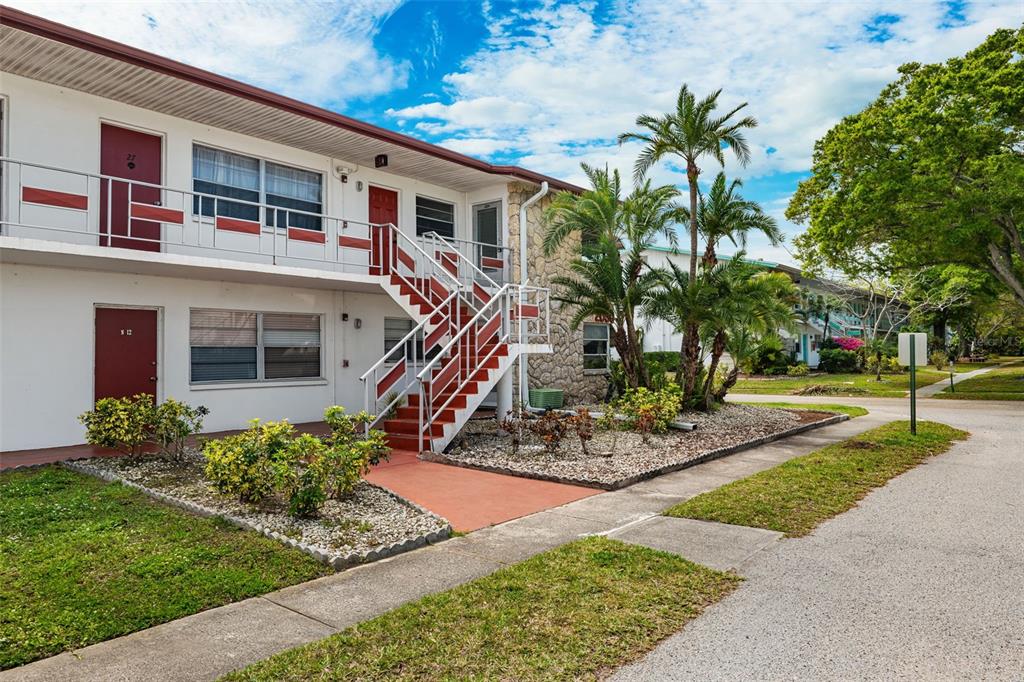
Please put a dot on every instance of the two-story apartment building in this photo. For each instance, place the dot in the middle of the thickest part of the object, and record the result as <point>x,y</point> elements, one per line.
<point>169,231</point>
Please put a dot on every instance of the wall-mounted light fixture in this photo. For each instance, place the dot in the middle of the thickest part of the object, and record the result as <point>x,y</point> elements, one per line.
<point>359,185</point>
<point>358,323</point>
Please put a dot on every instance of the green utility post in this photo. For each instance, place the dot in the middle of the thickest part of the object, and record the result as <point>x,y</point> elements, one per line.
<point>913,386</point>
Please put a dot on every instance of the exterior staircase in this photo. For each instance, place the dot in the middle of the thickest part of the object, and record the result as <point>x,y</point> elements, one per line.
<point>469,333</point>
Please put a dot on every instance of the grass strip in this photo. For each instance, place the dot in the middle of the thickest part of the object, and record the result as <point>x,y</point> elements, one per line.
<point>852,410</point>
<point>82,561</point>
<point>890,386</point>
<point>1006,383</point>
<point>570,613</point>
<point>796,496</point>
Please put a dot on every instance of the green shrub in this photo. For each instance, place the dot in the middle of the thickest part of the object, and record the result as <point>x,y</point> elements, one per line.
<point>770,357</point>
<point>345,430</point>
<point>798,370</point>
<point>253,464</point>
<point>939,359</point>
<point>649,411</point>
<point>890,364</point>
<point>122,424</point>
<point>173,422</point>
<point>893,366</point>
<point>304,481</point>
<point>838,361</point>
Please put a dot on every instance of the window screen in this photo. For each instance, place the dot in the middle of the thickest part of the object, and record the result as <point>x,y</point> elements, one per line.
<point>435,216</point>
<point>396,329</point>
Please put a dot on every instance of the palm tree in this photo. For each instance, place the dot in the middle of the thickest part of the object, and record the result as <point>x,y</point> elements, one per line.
<point>723,213</point>
<point>691,132</point>
<point>610,279</point>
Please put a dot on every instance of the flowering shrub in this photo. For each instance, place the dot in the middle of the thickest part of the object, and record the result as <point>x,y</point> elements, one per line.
<point>839,361</point>
<point>848,342</point>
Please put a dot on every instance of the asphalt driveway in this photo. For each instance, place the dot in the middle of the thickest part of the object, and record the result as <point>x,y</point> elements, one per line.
<point>924,580</point>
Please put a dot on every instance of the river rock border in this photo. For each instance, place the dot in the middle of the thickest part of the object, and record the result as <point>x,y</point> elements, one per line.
<point>336,561</point>
<point>441,458</point>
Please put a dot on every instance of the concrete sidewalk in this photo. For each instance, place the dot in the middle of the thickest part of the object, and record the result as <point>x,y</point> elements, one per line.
<point>209,644</point>
<point>940,386</point>
<point>923,580</point>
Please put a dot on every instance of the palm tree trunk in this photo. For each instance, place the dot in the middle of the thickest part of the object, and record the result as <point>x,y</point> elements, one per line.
<point>691,179</point>
<point>730,381</point>
<point>643,379</point>
<point>691,356</point>
<point>621,342</point>
<point>717,348</point>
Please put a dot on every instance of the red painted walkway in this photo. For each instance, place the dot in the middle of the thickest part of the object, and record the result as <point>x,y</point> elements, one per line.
<point>468,498</point>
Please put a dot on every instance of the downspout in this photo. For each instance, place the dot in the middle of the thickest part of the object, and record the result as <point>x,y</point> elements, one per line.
<point>524,389</point>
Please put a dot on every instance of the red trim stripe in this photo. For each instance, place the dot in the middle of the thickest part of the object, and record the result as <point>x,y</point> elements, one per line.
<point>434,337</point>
<point>405,258</point>
<point>444,377</point>
<point>530,310</point>
<point>49,197</point>
<point>303,235</point>
<point>237,225</point>
<point>493,263</point>
<point>158,213</point>
<point>481,293</point>
<point>390,378</point>
<point>489,329</point>
<point>448,261</point>
<point>438,289</point>
<point>354,243</point>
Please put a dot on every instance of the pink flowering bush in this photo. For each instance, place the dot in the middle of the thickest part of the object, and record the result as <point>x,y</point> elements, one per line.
<point>848,342</point>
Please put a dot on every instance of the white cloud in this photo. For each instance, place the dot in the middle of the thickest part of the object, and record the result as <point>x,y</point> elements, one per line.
<point>313,51</point>
<point>577,82</point>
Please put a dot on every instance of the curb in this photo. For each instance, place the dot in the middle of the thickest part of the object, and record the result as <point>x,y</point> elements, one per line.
<point>646,475</point>
<point>336,561</point>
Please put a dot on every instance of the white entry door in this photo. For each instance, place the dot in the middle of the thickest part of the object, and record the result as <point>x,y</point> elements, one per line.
<point>487,233</point>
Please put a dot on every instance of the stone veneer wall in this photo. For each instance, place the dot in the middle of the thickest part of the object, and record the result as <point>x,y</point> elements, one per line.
<point>564,367</point>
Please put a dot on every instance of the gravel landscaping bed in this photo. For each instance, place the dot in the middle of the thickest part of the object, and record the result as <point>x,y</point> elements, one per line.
<point>730,429</point>
<point>371,524</point>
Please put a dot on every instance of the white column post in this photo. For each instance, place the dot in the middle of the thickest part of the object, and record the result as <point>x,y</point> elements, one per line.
<point>503,390</point>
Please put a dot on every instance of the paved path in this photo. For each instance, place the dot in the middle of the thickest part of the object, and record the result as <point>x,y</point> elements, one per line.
<point>939,386</point>
<point>209,644</point>
<point>924,580</point>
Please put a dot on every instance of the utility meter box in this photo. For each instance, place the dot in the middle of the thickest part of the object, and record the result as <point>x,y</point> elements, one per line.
<point>920,349</point>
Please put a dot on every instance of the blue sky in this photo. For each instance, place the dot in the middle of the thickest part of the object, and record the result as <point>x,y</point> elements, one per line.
<point>547,85</point>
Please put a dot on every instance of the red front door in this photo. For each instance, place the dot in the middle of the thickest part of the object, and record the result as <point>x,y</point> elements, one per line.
<point>125,352</point>
<point>383,210</point>
<point>136,156</point>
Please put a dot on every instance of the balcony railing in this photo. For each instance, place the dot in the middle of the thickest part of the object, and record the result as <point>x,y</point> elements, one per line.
<point>57,204</point>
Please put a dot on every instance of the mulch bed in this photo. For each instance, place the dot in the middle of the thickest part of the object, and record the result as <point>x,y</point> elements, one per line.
<point>619,459</point>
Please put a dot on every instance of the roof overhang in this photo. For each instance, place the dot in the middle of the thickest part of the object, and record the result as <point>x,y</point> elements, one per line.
<point>43,50</point>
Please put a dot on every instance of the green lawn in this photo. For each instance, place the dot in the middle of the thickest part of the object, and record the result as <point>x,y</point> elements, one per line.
<point>571,613</point>
<point>82,561</point>
<point>852,410</point>
<point>796,496</point>
<point>891,385</point>
<point>1006,383</point>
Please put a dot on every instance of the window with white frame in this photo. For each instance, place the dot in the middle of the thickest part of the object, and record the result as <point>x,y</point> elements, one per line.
<point>219,173</point>
<point>595,346</point>
<point>396,329</point>
<point>229,345</point>
<point>435,216</point>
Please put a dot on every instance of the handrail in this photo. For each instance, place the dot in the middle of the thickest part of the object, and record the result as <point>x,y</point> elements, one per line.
<point>453,278</point>
<point>462,256</point>
<point>465,328</point>
<point>408,337</point>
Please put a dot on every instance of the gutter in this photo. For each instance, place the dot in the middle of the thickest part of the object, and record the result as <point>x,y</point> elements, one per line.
<point>524,389</point>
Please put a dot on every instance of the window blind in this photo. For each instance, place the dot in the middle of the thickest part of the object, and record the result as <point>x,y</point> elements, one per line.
<point>291,346</point>
<point>435,216</point>
<point>223,345</point>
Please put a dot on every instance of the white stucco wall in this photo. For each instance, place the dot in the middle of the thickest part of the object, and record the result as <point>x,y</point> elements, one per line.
<point>47,348</point>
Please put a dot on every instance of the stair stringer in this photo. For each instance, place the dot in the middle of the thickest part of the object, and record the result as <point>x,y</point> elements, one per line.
<point>403,301</point>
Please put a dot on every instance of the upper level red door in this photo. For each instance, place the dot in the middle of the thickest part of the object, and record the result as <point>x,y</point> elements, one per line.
<point>383,210</point>
<point>126,348</point>
<point>131,155</point>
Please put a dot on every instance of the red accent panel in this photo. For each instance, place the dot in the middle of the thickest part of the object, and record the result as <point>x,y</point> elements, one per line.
<point>125,352</point>
<point>301,235</point>
<point>438,289</point>
<point>444,377</point>
<point>237,225</point>
<point>158,213</point>
<point>406,259</point>
<point>390,378</point>
<point>354,243</point>
<point>435,336</point>
<point>49,197</point>
<point>530,310</point>
<point>448,261</point>
<point>495,263</point>
<point>481,293</point>
<point>489,329</point>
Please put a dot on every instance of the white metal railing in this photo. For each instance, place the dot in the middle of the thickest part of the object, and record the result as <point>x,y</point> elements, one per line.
<point>471,261</point>
<point>48,202</point>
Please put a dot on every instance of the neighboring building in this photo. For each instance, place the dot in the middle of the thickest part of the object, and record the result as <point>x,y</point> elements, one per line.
<point>849,310</point>
<point>169,231</point>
